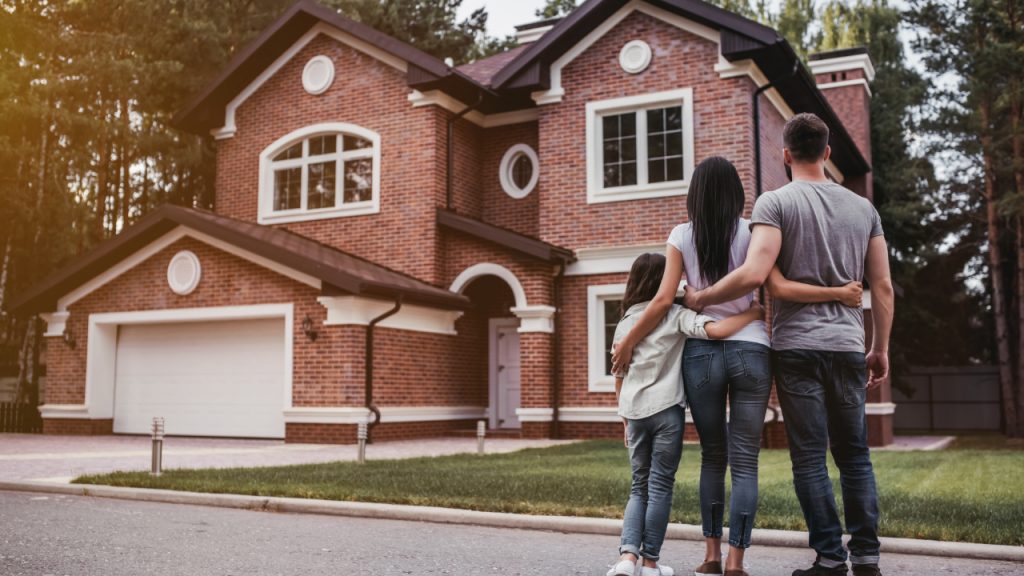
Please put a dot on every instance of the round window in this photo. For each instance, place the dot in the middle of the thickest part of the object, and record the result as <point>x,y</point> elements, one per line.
<point>519,171</point>
<point>184,272</point>
<point>318,74</point>
<point>635,56</point>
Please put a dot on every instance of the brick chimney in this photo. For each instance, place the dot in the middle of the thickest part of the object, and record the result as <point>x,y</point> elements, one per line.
<point>844,77</point>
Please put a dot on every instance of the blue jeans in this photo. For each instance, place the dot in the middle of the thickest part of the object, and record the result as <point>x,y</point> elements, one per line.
<point>738,372</point>
<point>655,447</point>
<point>823,396</point>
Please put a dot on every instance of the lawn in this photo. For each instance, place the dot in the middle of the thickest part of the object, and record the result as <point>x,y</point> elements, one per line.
<point>964,495</point>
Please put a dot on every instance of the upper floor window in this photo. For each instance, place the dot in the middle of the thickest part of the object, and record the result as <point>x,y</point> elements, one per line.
<point>320,171</point>
<point>640,146</point>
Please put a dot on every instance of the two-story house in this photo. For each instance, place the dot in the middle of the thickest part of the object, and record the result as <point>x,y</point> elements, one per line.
<point>398,241</point>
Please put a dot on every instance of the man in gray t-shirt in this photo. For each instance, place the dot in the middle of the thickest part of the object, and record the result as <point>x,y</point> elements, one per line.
<point>825,234</point>
<point>818,232</point>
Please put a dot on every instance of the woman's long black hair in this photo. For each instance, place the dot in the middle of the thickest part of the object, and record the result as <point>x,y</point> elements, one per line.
<point>714,205</point>
<point>644,280</point>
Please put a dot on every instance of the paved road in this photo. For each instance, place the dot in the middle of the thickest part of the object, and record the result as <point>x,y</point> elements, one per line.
<point>61,458</point>
<point>77,536</point>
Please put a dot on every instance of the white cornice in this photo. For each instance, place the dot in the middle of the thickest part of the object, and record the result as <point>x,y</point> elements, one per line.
<point>609,259</point>
<point>532,34</point>
<point>844,64</point>
<point>844,83</point>
<point>359,311</point>
<point>437,98</point>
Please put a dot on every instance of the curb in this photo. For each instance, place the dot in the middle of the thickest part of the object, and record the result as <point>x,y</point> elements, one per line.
<point>569,524</point>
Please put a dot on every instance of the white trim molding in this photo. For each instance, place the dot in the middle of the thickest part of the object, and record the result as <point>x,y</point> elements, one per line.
<point>844,64</point>
<point>266,213</point>
<point>318,85</point>
<point>598,380</point>
<point>845,83</point>
<point>589,414</point>
<point>508,162</point>
<point>64,411</point>
<point>643,189</point>
<point>490,269</point>
<point>531,34</point>
<point>609,260</point>
<point>879,408</point>
<point>437,98</point>
<point>184,263</point>
<point>537,318</point>
<point>56,323</point>
<point>359,311</point>
<point>535,414</point>
<point>102,345</point>
<point>229,129</point>
<point>358,414</point>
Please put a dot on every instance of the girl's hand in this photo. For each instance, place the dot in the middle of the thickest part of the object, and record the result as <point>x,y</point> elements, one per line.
<point>621,356</point>
<point>851,295</point>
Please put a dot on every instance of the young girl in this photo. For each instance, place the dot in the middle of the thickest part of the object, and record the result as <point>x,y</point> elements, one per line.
<point>651,406</point>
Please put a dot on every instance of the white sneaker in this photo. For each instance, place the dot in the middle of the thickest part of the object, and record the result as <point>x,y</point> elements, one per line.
<point>659,570</point>
<point>623,568</point>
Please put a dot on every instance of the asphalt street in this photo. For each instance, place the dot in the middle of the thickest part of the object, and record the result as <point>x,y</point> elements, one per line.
<point>52,535</point>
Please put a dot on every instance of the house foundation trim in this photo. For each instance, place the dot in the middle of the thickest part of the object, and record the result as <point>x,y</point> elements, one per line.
<point>64,411</point>
<point>535,414</point>
<point>356,415</point>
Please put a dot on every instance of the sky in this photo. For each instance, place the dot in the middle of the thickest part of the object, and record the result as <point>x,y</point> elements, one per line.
<point>504,15</point>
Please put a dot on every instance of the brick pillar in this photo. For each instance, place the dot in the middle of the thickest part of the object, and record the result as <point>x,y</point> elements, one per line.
<point>535,379</point>
<point>843,76</point>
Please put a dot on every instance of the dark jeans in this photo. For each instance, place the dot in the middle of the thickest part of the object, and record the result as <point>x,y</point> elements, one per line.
<point>655,448</point>
<point>823,396</point>
<point>715,372</point>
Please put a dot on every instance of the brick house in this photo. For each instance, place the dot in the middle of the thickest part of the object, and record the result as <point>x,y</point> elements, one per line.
<point>420,246</point>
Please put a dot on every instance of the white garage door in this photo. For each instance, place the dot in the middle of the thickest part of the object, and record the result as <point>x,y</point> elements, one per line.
<point>204,378</point>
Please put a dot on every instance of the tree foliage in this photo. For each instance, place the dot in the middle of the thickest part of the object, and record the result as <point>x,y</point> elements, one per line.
<point>556,8</point>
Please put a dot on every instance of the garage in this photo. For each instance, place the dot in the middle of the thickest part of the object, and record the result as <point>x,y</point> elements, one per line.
<point>215,378</point>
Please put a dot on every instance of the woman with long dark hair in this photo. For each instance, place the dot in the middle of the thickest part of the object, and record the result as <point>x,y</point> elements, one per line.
<point>734,372</point>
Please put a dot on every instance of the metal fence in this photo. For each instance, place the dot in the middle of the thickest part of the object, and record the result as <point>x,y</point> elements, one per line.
<point>950,398</point>
<point>20,417</point>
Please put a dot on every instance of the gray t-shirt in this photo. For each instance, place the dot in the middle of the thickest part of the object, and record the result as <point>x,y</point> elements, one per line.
<point>825,234</point>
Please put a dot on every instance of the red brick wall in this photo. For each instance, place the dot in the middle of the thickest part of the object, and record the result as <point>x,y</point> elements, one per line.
<point>521,215</point>
<point>368,93</point>
<point>722,126</point>
<point>853,106</point>
<point>574,363</point>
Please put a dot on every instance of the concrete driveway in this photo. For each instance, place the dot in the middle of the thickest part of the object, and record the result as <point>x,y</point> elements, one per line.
<point>61,458</point>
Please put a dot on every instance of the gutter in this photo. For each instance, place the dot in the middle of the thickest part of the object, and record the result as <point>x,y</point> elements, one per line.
<point>368,369</point>
<point>758,183</point>
<point>556,345</point>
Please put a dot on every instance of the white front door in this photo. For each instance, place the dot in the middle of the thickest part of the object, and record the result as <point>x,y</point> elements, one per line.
<point>220,378</point>
<point>504,370</point>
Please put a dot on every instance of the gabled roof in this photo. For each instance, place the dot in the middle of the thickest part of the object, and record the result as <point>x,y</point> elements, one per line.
<point>338,271</point>
<point>503,237</point>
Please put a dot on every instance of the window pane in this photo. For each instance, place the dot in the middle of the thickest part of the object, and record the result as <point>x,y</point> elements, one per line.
<point>611,151</point>
<point>612,175</point>
<point>287,189</point>
<point>674,118</point>
<point>656,170</point>
<point>655,120</point>
<point>522,171</point>
<point>321,185</point>
<point>674,144</point>
<point>674,169</point>
<point>665,144</point>
<point>323,145</point>
<point>628,123</point>
<point>356,143</point>
<point>358,180</point>
<point>628,174</point>
<point>611,127</point>
<point>619,148</point>
<point>292,152</point>
<point>611,320</point>
<point>656,145</point>
<point>628,150</point>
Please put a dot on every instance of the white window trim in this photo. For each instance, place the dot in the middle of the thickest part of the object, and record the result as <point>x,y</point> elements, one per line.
<point>598,380</point>
<point>505,171</point>
<point>266,183</point>
<point>596,192</point>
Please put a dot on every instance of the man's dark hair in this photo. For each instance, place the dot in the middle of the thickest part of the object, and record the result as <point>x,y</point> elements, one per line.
<point>805,136</point>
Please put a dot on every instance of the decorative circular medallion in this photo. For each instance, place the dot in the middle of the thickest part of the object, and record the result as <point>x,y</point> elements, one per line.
<point>635,56</point>
<point>519,171</point>
<point>183,272</point>
<point>318,74</point>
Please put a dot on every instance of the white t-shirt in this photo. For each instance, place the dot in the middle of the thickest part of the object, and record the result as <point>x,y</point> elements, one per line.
<point>681,239</point>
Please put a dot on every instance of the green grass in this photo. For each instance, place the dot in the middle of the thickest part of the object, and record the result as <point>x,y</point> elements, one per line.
<point>973,496</point>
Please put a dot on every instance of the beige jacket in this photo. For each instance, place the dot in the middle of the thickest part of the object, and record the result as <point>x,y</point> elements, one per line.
<point>654,381</point>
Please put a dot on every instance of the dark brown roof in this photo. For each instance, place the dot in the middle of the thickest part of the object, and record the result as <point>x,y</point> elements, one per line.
<point>339,271</point>
<point>483,70</point>
<point>507,238</point>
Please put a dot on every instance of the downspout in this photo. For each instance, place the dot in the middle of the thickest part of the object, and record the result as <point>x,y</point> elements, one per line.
<point>449,172</point>
<point>368,369</point>
<point>556,345</point>
<point>758,181</point>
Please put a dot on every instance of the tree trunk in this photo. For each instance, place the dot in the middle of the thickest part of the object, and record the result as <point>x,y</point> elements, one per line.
<point>102,171</point>
<point>27,360</point>
<point>995,264</point>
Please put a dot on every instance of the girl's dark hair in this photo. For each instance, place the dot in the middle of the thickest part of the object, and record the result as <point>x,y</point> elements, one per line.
<point>644,280</point>
<point>714,204</point>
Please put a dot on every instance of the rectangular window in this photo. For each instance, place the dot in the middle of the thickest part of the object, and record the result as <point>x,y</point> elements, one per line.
<point>603,316</point>
<point>288,189</point>
<point>639,147</point>
<point>321,185</point>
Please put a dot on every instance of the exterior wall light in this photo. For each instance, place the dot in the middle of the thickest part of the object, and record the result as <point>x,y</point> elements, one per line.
<point>308,330</point>
<point>69,339</point>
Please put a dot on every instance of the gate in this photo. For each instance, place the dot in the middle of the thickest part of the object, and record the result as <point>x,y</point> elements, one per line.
<point>950,398</point>
<point>20,417</point>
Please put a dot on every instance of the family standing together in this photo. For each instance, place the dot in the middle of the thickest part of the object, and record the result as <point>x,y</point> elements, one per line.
<point>811,243</point>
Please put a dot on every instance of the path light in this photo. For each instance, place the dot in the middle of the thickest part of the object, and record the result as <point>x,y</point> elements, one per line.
<point>481,431</point>
<point>361,438</point>
<point>158,446</point>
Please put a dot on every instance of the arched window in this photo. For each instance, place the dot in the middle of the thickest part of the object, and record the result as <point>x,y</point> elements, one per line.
<point>321,171</point>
